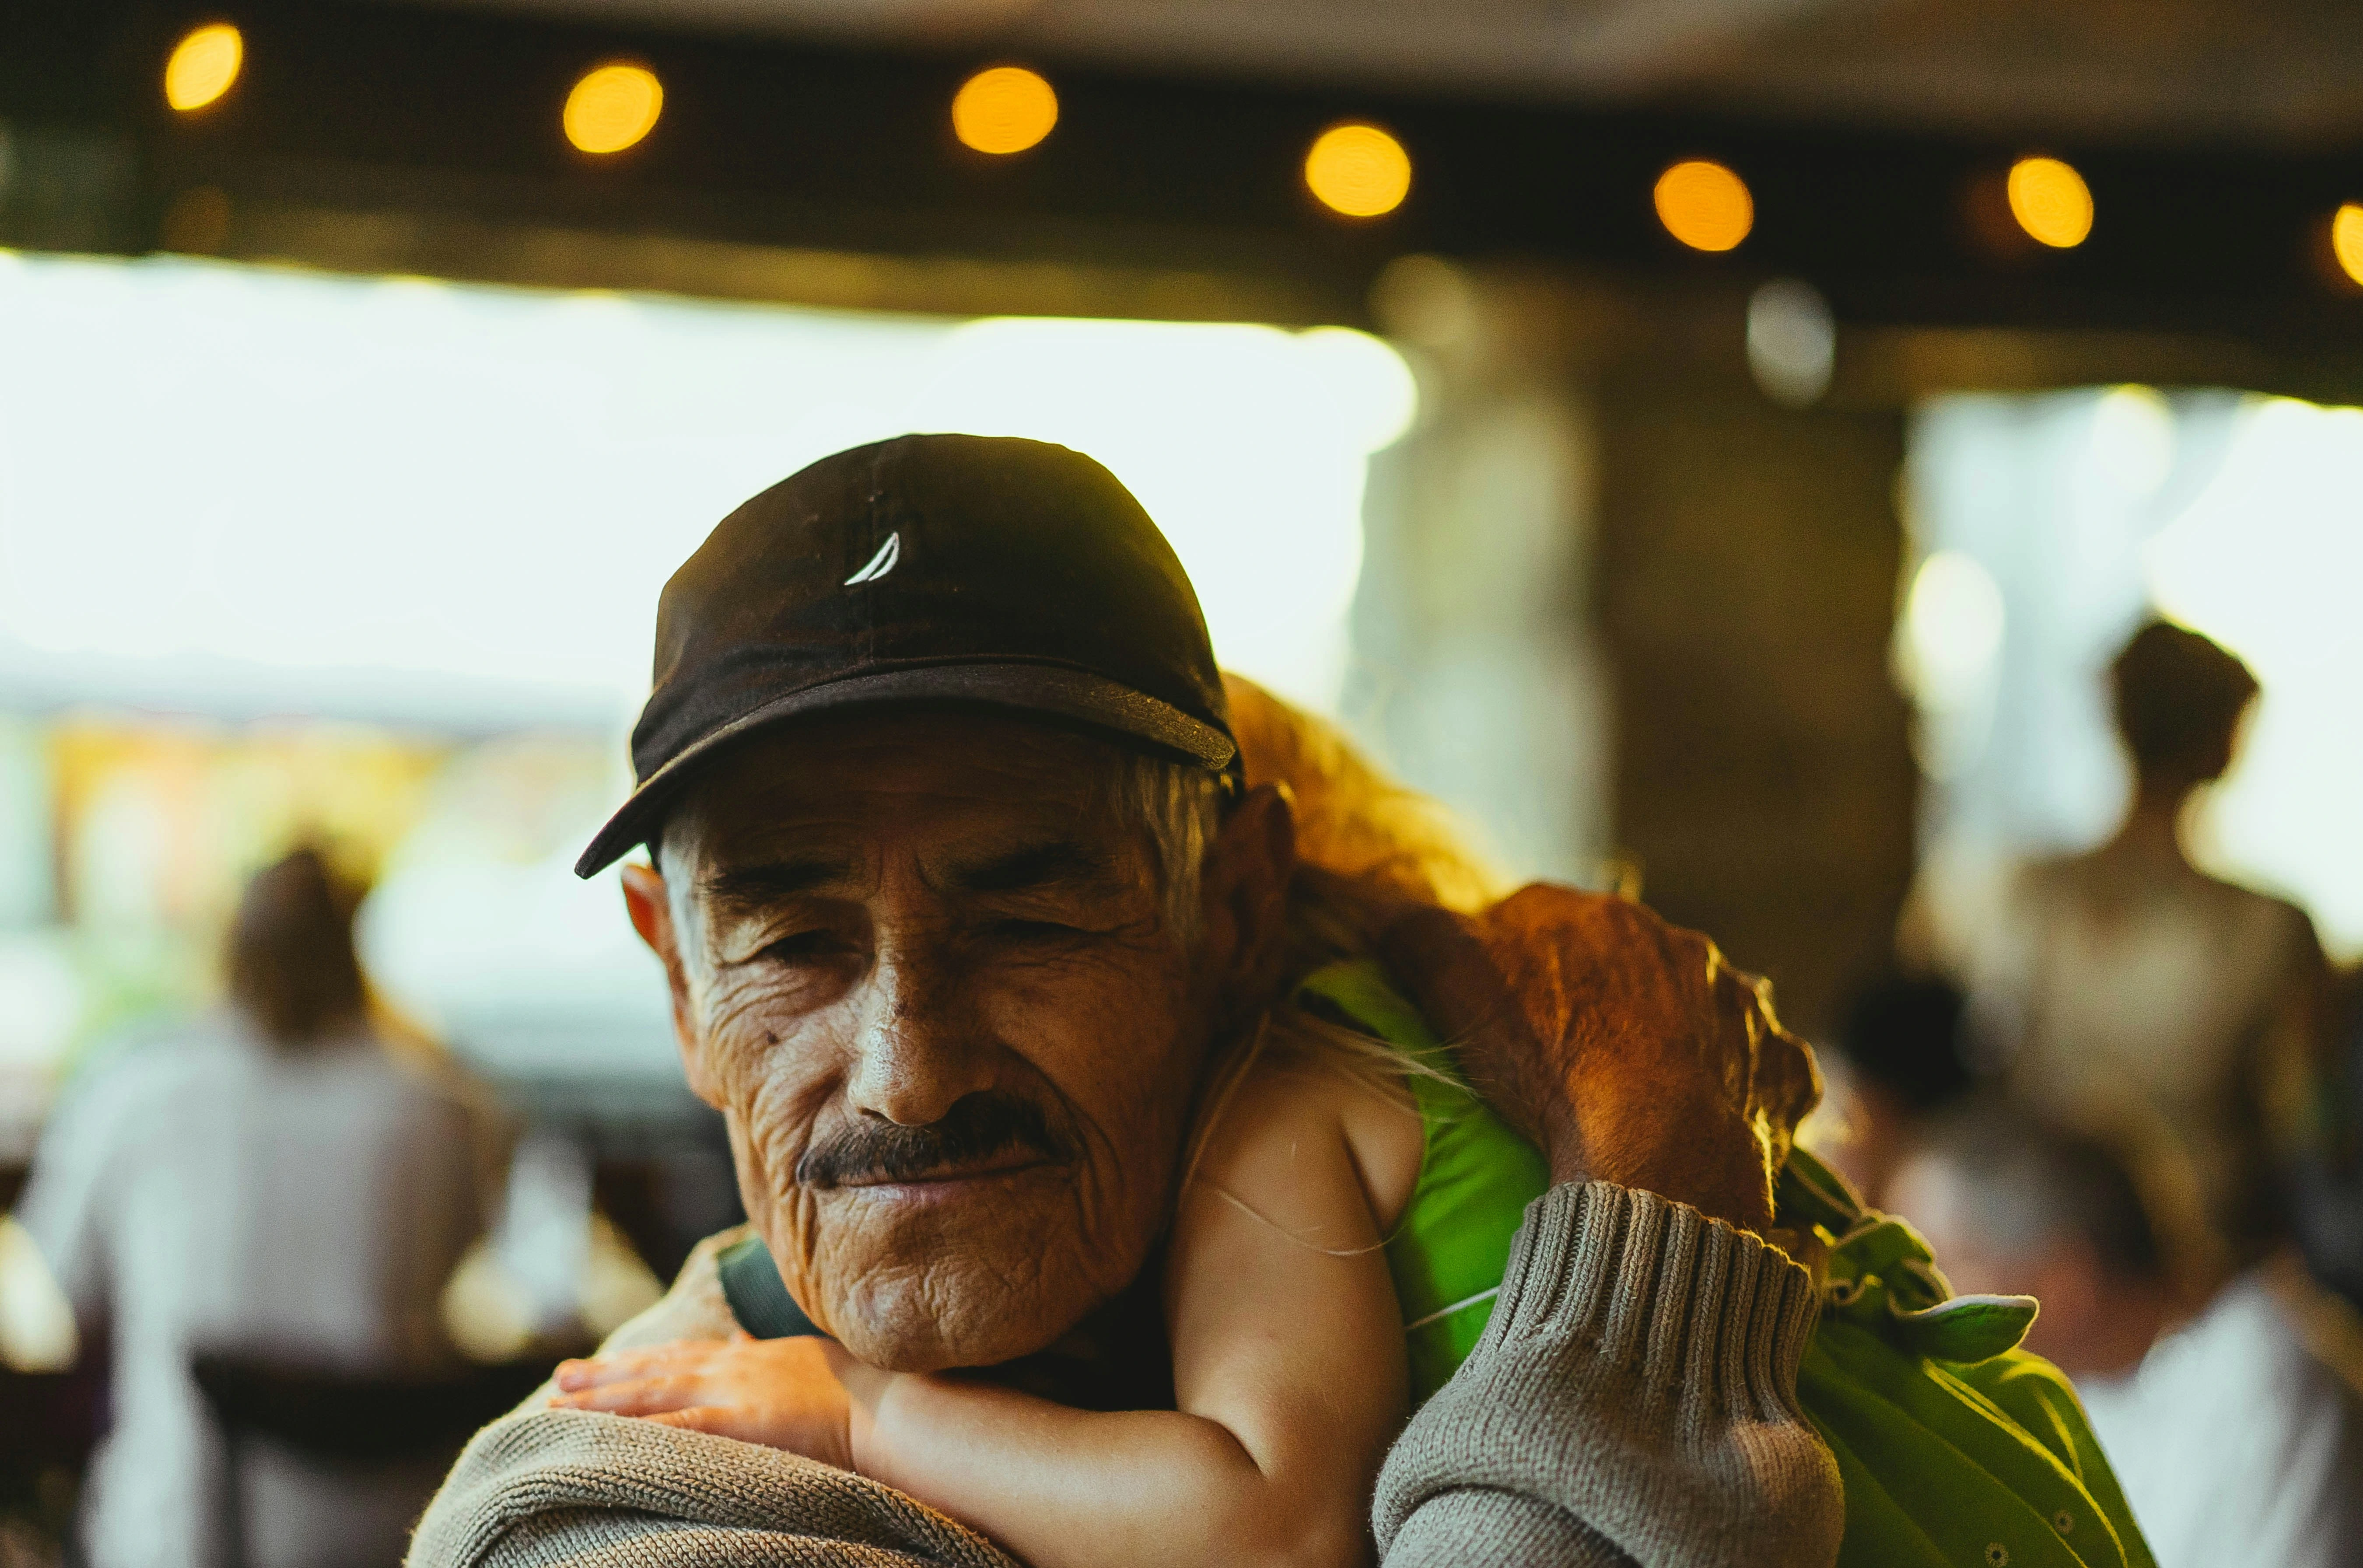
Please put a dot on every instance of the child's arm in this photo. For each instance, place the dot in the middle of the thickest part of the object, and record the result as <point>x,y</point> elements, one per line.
<point>1288,1365</point>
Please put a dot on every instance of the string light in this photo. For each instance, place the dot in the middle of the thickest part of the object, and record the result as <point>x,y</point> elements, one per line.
<point>1704,205</point>
<point>1355,168</point>
<point>2346,239</point>
<point>1003,110</point>
<point>2051,201</point>
<point>1358,169</point>
<point>203,66</point>
<point>613,107</point>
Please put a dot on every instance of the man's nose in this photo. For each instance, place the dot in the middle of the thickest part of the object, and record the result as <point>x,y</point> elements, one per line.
<point>916,1050</point>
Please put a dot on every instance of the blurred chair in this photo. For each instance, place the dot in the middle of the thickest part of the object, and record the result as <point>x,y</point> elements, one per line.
<point>363,1453</point>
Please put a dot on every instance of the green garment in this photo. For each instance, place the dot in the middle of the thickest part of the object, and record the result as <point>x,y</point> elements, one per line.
<point>1449,1250</point>
<point>1956,1447</point>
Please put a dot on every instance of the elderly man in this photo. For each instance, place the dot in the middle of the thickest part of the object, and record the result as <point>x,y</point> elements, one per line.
<point>960,894</point>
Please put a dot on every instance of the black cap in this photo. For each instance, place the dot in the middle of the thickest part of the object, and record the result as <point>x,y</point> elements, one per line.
<point>927,569</point>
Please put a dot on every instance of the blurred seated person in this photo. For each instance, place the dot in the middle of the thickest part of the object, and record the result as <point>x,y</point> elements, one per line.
<point>2124,986</point>
<point>270,1182</point>
<point>2233,1440</point>
<point>1897,1062</point>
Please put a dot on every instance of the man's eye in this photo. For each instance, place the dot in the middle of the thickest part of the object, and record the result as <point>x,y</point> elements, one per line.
<point>803,947</point>
<point>1032,930</point>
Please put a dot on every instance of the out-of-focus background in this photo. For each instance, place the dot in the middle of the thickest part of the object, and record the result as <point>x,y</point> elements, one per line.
<point>1718,447</point>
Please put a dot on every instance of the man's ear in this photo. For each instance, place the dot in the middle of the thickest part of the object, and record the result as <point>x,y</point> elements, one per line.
<point>1243,893</point>
<point>651,911</point>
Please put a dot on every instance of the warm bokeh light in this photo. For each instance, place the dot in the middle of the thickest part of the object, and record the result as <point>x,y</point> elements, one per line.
<point>613,107</point>
<point>1003,110</point>
<point>1358,169</point>
<point>1704,205</point>
<point>2346,239</point>
<point>1951,629</point>
<point>203,66</point>
<point>2051,201</point>
<point>36,1322</point>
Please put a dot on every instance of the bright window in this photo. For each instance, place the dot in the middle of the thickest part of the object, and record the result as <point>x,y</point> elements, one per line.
<point>379,559</point>
<point>232,487</point>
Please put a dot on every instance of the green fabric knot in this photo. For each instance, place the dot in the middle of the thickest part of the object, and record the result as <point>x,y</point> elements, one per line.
<point>1884,1279</point>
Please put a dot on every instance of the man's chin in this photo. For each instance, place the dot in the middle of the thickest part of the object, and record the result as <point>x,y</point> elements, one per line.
<point>933,1276</point>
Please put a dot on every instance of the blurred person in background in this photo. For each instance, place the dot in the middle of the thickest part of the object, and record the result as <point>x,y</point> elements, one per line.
<point>2124,986</point>
<point>274,1183</point>
<point>1897,1062</point>
<point>2236,1433</point>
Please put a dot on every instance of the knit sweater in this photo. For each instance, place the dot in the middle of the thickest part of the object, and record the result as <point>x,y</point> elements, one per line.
<point>1633,1402</point>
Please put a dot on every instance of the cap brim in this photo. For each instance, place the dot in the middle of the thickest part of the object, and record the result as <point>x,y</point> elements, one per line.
<point>1052,690</point>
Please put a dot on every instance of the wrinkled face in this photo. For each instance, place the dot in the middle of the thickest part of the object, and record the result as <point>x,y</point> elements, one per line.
<point>926,970</point>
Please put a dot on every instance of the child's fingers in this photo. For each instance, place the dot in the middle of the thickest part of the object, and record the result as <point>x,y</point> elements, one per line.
<point>574,1374</point>
<point>639,1397</point>
<point>592,1372</point>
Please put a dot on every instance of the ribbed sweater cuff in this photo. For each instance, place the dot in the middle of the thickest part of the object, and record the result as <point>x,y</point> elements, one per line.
<point>1640,1372</point>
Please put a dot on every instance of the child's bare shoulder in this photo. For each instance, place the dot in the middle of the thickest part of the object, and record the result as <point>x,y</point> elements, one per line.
<point>1287,1122</point>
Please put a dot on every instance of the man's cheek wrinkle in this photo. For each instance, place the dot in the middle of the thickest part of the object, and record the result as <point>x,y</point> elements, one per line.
<point>779,1137</point>
<point>736,1012</point>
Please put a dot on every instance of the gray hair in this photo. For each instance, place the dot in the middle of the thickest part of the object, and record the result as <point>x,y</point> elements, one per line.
<point>1179,806</point>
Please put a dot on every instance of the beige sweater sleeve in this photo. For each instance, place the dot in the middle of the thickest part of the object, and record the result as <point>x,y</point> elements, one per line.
<point>1634,1400</point>
<point>544,1488</point>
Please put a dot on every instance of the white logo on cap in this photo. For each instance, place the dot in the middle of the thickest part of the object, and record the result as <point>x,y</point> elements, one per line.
<point>889,553</point>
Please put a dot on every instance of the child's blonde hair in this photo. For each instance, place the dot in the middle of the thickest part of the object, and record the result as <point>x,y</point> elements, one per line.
<point>1352,820</point>
<point>1363,842</point>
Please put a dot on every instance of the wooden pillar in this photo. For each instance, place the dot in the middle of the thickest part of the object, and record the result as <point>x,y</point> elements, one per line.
<point>1666,648</point>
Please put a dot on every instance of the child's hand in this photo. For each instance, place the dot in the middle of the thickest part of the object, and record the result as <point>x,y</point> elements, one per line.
<point>781,1393</point>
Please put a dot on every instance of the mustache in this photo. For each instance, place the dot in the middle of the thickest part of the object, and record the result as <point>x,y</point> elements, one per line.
<point>977,1127</point>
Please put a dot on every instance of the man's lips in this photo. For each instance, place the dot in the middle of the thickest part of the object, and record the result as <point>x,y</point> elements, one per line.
<point>950,1177</point>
